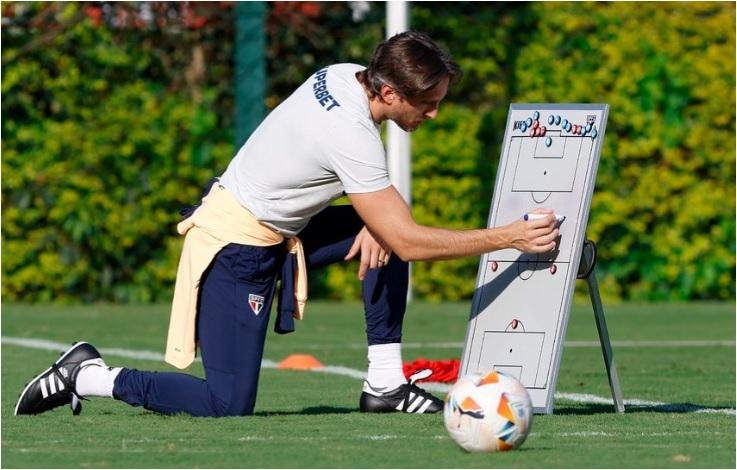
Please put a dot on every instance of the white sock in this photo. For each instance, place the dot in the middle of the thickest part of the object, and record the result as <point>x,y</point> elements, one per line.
<point>96,379</point>
<point>385,367</point>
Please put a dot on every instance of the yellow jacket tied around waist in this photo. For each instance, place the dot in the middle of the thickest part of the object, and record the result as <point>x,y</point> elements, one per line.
<point>217,222</point>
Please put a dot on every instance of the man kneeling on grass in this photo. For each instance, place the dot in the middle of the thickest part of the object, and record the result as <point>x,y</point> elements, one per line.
<point>269,212</point>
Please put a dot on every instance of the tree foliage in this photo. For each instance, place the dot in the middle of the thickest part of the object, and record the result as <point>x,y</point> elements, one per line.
<point>116,113</point>
<point>106,132</point>
<point>663,212</point>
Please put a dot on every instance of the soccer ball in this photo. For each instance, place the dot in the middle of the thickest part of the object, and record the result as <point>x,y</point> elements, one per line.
<point>488,412</point>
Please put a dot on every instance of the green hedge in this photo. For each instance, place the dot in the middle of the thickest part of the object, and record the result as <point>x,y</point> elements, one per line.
<point>96,161</point>
<point>663,212</point>
<point>101,146</point>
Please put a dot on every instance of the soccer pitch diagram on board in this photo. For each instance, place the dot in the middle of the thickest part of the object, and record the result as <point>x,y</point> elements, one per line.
<point>522,301</point>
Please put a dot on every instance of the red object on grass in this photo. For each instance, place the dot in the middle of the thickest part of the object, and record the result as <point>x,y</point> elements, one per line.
<point>442,371</point>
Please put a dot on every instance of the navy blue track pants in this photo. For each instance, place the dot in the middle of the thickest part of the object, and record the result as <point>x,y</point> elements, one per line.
<point>233,313</point>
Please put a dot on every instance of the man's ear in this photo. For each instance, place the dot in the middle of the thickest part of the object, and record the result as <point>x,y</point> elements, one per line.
<point>388,94</point>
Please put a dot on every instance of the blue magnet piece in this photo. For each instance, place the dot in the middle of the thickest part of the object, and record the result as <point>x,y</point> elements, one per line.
<point>548,141</point>
<point>523,127</point>
<point>528,122</point>
<point>551,119</point>
<point>593,134</point>
<point>568,127</point>
<point>565,123</point>
<point>536,115</point>
<point>588,127</point>
<point>557,120</point>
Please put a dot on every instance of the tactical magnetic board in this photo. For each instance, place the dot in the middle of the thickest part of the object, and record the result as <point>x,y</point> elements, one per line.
<point>522,301</point>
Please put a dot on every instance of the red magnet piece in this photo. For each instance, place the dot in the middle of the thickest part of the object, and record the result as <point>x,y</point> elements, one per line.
<point>515,324</point>
<point>543,130</point>
<point>535,124</point>
<point>532,132</point>
<point>553,269</point>
<point>494,266</point>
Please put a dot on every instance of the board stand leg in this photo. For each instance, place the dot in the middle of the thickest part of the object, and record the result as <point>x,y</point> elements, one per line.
<point>586,270</point>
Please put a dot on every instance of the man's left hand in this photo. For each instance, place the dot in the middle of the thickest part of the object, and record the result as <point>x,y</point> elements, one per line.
<point>373,253</point>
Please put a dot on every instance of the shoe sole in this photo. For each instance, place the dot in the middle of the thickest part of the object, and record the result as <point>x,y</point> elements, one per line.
<point>28,385</point>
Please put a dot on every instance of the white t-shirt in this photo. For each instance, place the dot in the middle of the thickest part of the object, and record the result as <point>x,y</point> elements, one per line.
<point>318,143</point>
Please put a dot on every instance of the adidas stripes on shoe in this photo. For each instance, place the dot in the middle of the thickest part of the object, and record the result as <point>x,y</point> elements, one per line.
<point>54,387</point>
<point>407,398</point>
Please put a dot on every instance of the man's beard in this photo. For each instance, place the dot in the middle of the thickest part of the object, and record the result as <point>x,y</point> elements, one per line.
<point>407,127</point>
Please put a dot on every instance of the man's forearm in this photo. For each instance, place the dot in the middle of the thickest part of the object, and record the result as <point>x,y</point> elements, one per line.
<point>388,218</point>
<point>428,243</point>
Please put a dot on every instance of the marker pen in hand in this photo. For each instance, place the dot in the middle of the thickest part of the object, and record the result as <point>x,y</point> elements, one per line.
<point>558,218</point>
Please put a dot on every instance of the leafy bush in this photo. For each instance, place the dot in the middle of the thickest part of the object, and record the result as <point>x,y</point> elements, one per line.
<point>97,158</point>
<point>112,120</point>
<point>663,213</point>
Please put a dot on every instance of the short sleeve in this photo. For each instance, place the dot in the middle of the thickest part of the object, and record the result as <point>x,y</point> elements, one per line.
<point>359,161</point>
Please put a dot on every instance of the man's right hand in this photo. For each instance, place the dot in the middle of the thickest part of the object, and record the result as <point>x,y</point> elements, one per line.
<point>534,236</point>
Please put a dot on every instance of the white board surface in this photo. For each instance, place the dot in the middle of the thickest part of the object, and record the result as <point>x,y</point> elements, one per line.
<point>520,308</point>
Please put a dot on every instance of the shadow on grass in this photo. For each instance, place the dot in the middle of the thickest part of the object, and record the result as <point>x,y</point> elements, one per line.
<point>598,408</point>
<point>313,410</point>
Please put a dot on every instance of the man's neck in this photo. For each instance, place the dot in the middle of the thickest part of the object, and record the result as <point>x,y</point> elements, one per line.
<point>376,107</point>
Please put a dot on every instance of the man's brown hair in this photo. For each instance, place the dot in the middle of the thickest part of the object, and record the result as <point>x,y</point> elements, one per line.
<point>409,62</point>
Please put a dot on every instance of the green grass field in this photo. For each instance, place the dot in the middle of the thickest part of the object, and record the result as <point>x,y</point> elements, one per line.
<point>676,365</point>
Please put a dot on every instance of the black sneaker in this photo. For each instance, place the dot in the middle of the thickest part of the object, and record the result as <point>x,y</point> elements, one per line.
<point>54,387</point>
<point>407,398</point>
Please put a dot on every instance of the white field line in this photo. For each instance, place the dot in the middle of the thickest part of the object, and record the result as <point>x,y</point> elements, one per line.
<point>699,343</point>
<point>35,343</point>
<point>684,343</point>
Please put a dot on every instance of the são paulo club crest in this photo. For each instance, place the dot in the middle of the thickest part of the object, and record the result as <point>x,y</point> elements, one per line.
<point>256,302</point>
